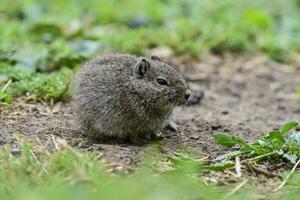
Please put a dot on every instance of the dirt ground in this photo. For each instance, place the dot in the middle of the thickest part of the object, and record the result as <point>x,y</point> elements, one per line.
<point>244,95</point>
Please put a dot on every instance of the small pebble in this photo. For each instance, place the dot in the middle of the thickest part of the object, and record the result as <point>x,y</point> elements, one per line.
<point>138,21</point>
<point>195,136</point>
<point>195,98</point>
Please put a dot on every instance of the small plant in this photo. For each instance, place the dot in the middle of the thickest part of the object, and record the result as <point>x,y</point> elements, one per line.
<point>5,97</point>
<point>54,85</point>
<point>31,172</point>
<point>274,145</point>
<point>44,86</point>
<point>298,92</point>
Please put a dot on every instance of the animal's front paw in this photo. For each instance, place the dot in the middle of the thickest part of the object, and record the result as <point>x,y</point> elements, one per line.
<point>153,136</point>
<point>171,125</point>
<point>157,136</point>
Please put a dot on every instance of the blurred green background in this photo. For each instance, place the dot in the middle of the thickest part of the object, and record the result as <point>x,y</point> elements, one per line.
<point>42,42</point>
<point>38,36</point>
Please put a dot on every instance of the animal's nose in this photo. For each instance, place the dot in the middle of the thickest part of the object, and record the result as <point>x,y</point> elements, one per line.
<point>187,94</point>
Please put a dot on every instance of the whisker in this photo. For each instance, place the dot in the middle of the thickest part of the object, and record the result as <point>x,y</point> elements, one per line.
<point>168,113</point>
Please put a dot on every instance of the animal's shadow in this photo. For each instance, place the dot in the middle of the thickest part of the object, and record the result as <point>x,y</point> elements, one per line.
<point>117,141</point>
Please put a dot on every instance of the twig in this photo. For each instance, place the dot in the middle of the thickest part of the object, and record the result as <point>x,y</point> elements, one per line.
<point>210,179</point>
<point>61,144</point>
<point>250,168</point>
<point>256,170</point>
<point>6,85</point>
<point>287,177</point>
<point>238,167</point>
<point>261,156</point>
<point>236,189</point>
<point>44,169</point>
<point>55,143</point>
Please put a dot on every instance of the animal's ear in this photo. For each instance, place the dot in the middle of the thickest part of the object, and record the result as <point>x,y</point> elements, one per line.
<point>141,68</point>
<point>154,57</point>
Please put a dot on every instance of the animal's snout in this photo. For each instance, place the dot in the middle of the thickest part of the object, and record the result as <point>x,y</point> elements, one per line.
<point>187,94</point>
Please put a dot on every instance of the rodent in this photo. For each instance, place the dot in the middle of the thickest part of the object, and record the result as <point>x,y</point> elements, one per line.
<point>127,97</point>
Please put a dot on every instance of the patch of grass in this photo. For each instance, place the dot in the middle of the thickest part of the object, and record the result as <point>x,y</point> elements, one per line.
<point>275,145</point>
<point>188,27</point>
<point>45,36</point>
<point>5,97</point>
<point>30,172</point>
<point>298,92</point>
<point>45,86</point>
<point>280,146</point>
<point>135,41</point>
<point>52,86</point>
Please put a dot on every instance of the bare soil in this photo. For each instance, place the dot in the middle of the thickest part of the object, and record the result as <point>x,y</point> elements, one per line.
<point>244,95</point>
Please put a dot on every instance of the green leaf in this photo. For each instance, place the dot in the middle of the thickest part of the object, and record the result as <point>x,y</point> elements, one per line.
<point>298,92</point>
<point>288,126</point>
<point>228,140</point>
<point>229,155</point>
<point>46,31</point>
<point>5,97</point>
<point>276,135</point>
<point>86,48</point>
<point>294,139</point>
<point>280,152</point>
<point>6,53</point>
<point>263,143</point>
<point>186,163</point>
<point>291,157</point>
<point>273,139</point>
<point>221,166</point>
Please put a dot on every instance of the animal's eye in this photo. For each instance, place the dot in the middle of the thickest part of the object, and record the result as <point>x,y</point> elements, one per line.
<point>161,81</point>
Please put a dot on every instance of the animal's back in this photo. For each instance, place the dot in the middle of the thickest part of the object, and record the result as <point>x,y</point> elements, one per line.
<point>99,91</point>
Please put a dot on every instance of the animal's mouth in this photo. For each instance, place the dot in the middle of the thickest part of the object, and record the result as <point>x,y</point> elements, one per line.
<point>182,101</point>
<point>184,98</point>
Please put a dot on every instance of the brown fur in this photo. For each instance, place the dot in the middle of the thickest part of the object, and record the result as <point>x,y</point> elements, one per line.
<point>118,95</point>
